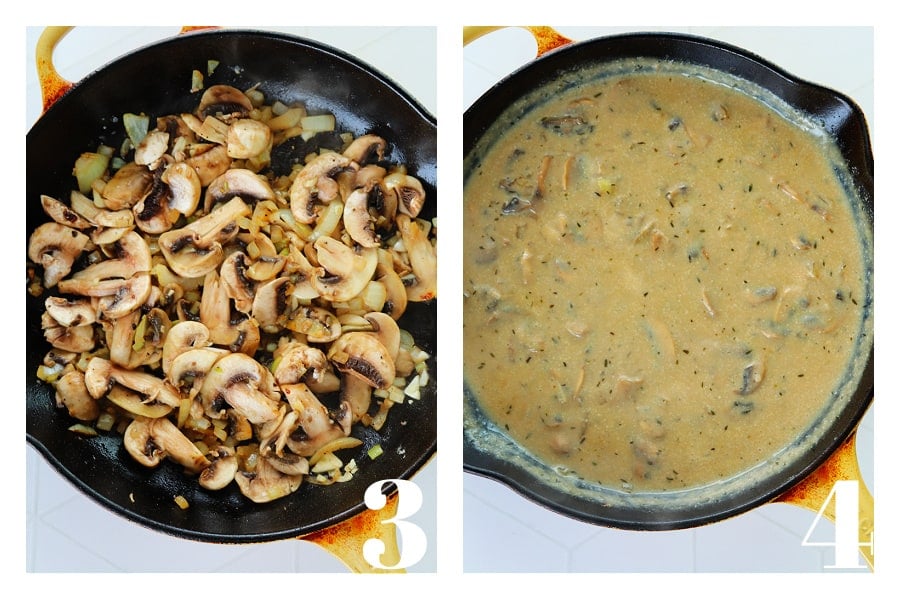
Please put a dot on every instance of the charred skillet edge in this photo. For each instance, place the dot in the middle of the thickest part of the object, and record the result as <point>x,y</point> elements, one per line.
<point>838,114</point>
<point>94,465</point>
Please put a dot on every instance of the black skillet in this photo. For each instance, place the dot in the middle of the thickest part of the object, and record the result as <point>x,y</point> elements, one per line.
<point>155,80</point>
<point>489,452</point>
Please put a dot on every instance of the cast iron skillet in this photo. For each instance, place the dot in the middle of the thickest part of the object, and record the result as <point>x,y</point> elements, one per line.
<point>489,452</point>
<point>155,80</point>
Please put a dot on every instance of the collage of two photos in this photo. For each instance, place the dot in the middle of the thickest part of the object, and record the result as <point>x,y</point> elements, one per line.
<point>233,352</point>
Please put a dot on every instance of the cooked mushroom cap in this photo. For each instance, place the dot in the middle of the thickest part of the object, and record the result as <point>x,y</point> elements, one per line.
<point>63,214</point>
<point>247,138</point>
<point>409,192</point>
<point>55,247</point>
<point>366,149</point>
<point>196,249</point>
<point>71,312</point>
<point>72,393</point>
<point>422,258</point>
<point>267,483</point>
<point>272,301</point>
<point>183,336</point>
<point>240,183</point>
<point>127,187</point>
<point>221,471</point>
<point>348,270</point>
<point>239,381</point>
<point>297,360</point>
<point>362,355</point>
<point>357,220</point>
<point>149,440</point>
<point>224,100</point>
<point>304,188</point>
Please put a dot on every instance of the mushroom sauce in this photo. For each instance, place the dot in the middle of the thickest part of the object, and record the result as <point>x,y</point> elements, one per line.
<point>664,278</point>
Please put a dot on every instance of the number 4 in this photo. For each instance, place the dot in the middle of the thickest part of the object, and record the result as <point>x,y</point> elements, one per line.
<point>845,515</point>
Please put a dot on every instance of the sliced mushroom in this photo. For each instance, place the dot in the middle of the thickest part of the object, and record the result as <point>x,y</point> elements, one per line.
<point>225,101</point>
<point>304,189</point>
<point>408,190</point>
<point>317,323</point>
<point>239,287</point>
<point>347,270</point>
<point>120,337</point>
<point>127,187</point>
<point>357,220</point>
<point>248,138</point>
<point>182,337</point>
<point>362,355</point>
<point>185,188</point>
<point>238,183</point>
<point>366,149</point>
<point>221,470</point>
<point>209,161</point>
<point>316,424</point>
<point>62,214</point>
<point>267,483</point>
<point>297,362</point>
<point>55,247</point>
<point>69,312</point>
<point>196,249</point>
<point>240,382</point>
<point>356,394</point>
<point>128,256</point>
<point>190,368</point>
<point>148,441</point>
<point>237,331</point>
<point>422,259</point>
<point>101,374</point>
<point>115,297</point>
<point>72,393</point>
<point>152,148</point>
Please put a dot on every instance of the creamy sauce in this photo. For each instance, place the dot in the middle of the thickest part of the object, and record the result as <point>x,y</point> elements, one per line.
<point>663,280</point>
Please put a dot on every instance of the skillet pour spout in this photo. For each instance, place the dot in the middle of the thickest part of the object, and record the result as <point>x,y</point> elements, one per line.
<point>489,451</point>
<point>290,69</point>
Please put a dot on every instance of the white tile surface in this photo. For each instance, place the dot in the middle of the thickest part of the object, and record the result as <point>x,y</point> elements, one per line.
<point>505,532</point>
<point>65,531</point>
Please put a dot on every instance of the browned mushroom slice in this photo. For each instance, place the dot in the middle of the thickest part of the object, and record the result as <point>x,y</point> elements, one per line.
<point>55,247</point>
<point>408,190</point>
<point>357,220</point>
<point>238,381</point>
<point>127,187</point>
<point>422,259</point>
<point>362,355</point>
<point>347,270</point>
<point>224,101</point>
<point>272,302</point>
<point>209,161</point>
<point>101,375</point>
<point>63,214</point>
<point>316,425</point>
<point>240,183</point>
<point>366,149</point>
<point>150,440</point>
<point>222,469</point>
<point>72,393</point>
<point>296,362</point>
<point>304,189</point>
<point>267,483</point>
<point>248,138</point>
<point>196,249</point>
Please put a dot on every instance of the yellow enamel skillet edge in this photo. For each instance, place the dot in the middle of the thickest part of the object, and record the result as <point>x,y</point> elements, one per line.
<point>815,492</point>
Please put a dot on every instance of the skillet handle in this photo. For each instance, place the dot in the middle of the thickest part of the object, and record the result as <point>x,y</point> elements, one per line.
<point>547,38</point>
<point>53,85</point>
<point>345,540</point>
<point>813,493</point>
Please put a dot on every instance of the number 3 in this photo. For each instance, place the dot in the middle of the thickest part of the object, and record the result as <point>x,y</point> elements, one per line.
<point>409,501</point>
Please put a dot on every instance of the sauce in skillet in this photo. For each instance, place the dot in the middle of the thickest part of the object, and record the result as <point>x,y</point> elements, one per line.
<point>663,280</point>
